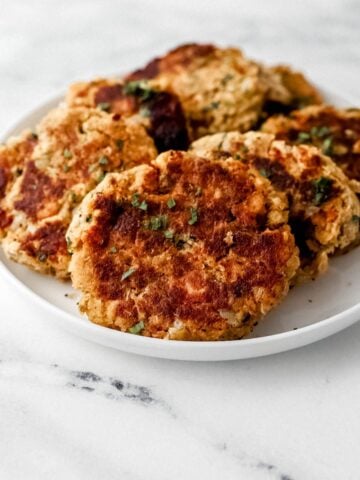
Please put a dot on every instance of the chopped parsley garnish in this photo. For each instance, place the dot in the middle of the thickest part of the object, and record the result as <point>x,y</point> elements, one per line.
<point>171,203</point>
<point>143,205</point>
<point>103,160</point>
<point>128,273</point>
<point>320,132</point>
<point>303,137</point>
<point>88,218</point>
<point>169,234</point>
<point>211,106</point>
<point>137,328</point>
<point>194,217</point>
<point>104,106</point>
<point>119,143</point>
<point>42,257</point>
<point>68,242</point>
<point>265,172</point>
<point>67,153</point>
<point>225,79</point>
<point>139,88</point>
<point>322,188</point>
<point>157,223</point>
<point>135,202</point>
<point>355,218</point>
<point>327,146</point>
<point>145,112</point>
<point>113,250</point>
<point>73,197</point>
<point>102,176</point>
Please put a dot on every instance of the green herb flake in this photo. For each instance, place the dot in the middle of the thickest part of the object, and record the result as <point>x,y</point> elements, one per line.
<point>157,223</point>
<point>67,153</point>
<point>303,137</point>
<point>135,202</point>
<point>139,88</point>
<point>128,273</point>
<point>320,131</point>
<point>113,250</point>
<point>66,168</point>
<point>171,203</point>
<point>226,78</point>
<point>327,146</point>
<point>103,160</point>
<point>68,242</point>
<point>355,218</point>
<point>101,176</point>
<point>42,257</point>
<point>211,106</point>
<point>145,112</point>
<point>137,328</point>
<point>169,234</point>
<point>143,206</point>
<point>198,191</point>
<point>119,143</point>
<point>34,135</point>
<point>322,188</point>
<point>88,218</point>
<point>73,197</point>
<point>264,172</point>
<point>104,106</point>
<point>194,216</point>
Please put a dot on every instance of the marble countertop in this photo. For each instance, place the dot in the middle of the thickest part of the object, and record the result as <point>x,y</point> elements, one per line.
<point>71,409</point>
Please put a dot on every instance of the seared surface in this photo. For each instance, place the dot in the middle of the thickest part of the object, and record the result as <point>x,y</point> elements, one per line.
<point>183,249</point>
<point>335,131</point>
<point>324,210</point>
<point>219,89</point>
<point>159,111</point>
<point>12,158</point>
<point>74,150</point>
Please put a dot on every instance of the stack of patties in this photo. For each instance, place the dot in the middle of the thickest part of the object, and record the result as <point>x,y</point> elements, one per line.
<point>219,89</point>
<point>188,245</point>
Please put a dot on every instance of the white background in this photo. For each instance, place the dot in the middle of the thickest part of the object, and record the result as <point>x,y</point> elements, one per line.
<point>292,416</point>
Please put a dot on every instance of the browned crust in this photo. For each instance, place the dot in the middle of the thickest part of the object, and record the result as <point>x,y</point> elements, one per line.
<point>220,262</point>
<point>179,57</point>
<point>343,130</point>
<point>323,208</point>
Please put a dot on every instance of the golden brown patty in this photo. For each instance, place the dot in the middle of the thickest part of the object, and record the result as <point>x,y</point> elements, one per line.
<point>335,131</point>
<point>75,149</point>
<point>183,249</point>
<point>219,89</point>
<point>324,210</point>
<point>160,112</point>
<point>13,154</point>
<point>288,90</point>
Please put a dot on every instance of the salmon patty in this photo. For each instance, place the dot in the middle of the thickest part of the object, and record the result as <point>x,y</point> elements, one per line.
<point>335,131</point>
<point>323,208</point>
<point>184,248</point>
<point>219,89</point>
<point>74,150</point>
<point>13,155</point>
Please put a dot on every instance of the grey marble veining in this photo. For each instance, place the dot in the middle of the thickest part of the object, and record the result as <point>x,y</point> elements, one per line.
<point>71,409</point>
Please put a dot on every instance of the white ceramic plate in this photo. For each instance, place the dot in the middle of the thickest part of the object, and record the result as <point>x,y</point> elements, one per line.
<point>309,313</point>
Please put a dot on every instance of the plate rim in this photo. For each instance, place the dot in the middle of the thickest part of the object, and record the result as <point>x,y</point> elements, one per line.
<point>172,348</point>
